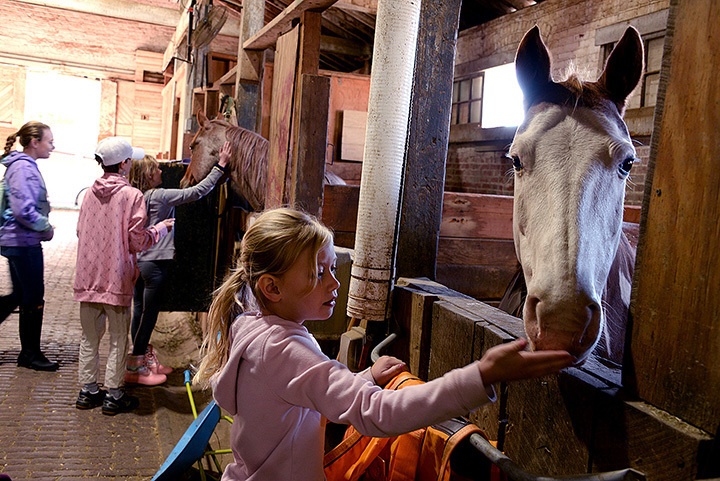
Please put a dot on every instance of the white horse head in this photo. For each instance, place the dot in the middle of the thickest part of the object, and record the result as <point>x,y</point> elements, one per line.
<point>571,157</point>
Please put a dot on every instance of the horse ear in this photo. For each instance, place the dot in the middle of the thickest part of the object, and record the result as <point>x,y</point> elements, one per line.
<point>201,117</point>
<point>532,65</point>
<point>624,67</point>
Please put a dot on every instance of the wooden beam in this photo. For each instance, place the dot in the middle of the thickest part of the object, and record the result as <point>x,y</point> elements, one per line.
<point>283,94</point>
<point>310,132</point>
<point>249,68</point>
<point>343,46</point>
<point>429,130</point>
<point>268,35</point>
<point>120,9</point>
<point>362,6</point>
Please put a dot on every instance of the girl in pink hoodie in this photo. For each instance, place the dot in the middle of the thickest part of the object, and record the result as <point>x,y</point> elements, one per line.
<point>268,371</point>
<point>111,231</point>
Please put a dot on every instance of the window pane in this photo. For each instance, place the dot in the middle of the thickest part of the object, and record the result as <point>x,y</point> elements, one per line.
<point>477,85</point>
<point>464,91</point>
<point>456,89</point>
<point>654,57</point>
<point>651,89</point>
<point>453,115</point>
<point>463,115</point>
<point>634,100</point>
<point>475,111</point>
<point>502,99</point>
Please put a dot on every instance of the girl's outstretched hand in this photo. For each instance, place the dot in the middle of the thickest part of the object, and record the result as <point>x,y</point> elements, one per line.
<point>509,362</point>
<point>225,153</point>
<point>386,368</point>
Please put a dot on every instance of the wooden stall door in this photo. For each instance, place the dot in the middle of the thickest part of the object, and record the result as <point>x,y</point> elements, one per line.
<point>675,349</point>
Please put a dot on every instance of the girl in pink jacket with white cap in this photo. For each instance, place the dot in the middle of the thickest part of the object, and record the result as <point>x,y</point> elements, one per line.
<point>269,372</point>
<point>111,231</point>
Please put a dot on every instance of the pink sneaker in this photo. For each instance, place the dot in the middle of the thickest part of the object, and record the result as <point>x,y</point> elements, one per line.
<point>151,361</point>
<point>138,373</point>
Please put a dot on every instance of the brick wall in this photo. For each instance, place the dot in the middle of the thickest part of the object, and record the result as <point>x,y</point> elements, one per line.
<point>568,28</point>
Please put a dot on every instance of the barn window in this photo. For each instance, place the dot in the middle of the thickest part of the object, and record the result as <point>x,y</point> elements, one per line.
<point>646,94</point>
<point>491,98</point>
<point>467,99</point>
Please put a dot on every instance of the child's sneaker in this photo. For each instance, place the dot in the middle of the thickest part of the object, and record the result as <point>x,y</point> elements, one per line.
<point>152,363</point>
<point>138,373</point>
<point>89,400</point>
<point>112,406</point>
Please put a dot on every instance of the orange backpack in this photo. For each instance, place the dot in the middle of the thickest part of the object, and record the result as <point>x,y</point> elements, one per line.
<point>422,455</point>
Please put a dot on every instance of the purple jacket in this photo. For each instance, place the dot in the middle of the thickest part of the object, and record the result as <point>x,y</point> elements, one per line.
<point>25,222</point>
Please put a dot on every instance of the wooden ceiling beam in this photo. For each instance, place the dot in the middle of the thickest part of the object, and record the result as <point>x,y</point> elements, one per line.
<point>267,37</point>
<point>120,9</point>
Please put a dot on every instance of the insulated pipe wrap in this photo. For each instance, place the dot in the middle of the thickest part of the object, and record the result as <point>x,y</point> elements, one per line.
<point>383,160</point>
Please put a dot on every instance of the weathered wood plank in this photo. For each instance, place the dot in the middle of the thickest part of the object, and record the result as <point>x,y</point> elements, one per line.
<point>339,211</point>
<point>421,210</point>
<point>280,139</point>
<point>492,418</point>
<point>477,215</point>
<point>473,251</point>
<point>484,282</point>
<point>412,310</point>
<point>310,131</point>
<point>352,140</point>
<point>640,436</point>
<point>270,33</point>
<point>675,347</point>
<point>452,338</point>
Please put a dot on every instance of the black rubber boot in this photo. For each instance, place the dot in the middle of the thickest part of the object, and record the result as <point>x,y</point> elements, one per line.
<point>31,357</point>
<point>7,305</point>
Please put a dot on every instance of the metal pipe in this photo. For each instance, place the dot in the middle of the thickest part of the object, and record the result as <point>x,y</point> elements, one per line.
<point>515,473</point>
<point>391,83</point>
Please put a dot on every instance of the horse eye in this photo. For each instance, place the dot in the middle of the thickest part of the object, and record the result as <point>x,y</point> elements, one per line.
<point>625,166</point>
<point>517,165</point>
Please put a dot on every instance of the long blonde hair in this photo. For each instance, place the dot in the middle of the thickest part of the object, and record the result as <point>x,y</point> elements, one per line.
<point>271,245</point>
<point>141,172</point>
<point>31,130</point>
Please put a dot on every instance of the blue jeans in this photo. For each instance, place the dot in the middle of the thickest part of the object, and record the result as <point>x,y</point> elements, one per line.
<point>146,302</point>
<point>27,275</point>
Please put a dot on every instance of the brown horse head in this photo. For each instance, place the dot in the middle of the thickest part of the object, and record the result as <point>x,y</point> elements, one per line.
<point>247,166</point>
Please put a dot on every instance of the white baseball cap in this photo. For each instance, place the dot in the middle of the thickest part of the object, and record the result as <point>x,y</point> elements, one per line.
<point>113,150</point>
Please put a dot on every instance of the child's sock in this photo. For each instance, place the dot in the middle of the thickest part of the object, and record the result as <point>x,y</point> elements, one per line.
<point>116,393</point>
<point>91,387</point>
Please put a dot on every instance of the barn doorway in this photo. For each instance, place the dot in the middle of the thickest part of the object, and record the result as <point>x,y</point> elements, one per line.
<point>70,105</point>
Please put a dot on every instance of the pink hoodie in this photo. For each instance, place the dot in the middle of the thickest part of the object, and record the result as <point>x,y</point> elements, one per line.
<point>278,386</point>
<point>111,231</point>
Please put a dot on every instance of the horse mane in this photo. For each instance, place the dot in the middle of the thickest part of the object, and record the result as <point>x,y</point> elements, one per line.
<point>249,163</point>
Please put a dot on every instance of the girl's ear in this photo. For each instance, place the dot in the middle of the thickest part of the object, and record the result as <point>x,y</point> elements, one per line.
<point>268,285</point>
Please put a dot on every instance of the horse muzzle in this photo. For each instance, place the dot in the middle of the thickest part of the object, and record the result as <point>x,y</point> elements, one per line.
<point>563,326</point>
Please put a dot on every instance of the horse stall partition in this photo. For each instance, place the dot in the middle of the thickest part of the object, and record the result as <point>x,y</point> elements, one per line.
<point>476,253</point>
<point>567,424</point>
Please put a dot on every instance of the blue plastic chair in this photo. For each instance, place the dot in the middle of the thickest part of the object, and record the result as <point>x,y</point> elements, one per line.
<point>193,446</point>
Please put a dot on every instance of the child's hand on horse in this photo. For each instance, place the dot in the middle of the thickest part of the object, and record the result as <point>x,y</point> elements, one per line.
<point>510,362</point>
<point>386,368</point>
<point>225,153</point>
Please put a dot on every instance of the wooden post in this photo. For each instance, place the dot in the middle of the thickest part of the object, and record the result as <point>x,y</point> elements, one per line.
<point>428,140</point>
<point>249,68</point>
<point>674,358</point>
<point>304,179</point>
<point>281,117</point>
<point>310,128</point>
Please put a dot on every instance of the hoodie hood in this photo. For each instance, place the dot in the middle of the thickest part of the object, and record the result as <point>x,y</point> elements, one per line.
<point>109,184</point>
<point>14,156</point>
<point>246,328</point>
